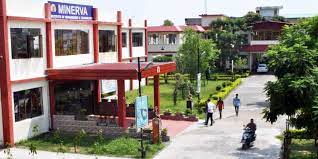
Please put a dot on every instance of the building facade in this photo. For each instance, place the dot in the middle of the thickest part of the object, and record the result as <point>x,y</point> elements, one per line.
<point>260,37</point>
<point>48,35</point>
<point>166,40</point>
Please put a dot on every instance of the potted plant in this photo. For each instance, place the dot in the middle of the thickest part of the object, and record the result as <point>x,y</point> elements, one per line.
<point>164,135</point>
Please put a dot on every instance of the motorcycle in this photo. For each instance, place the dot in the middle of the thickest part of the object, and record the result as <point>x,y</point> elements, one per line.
<point>248,138</point>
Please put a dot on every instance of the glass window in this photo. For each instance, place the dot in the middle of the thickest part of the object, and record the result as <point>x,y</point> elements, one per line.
<point>71,42</point>
<point>28,104</point>
<point>107,41</point>
<point>73,98</point>
<point>153,39</point>
<point>124,39</point>
<point>137,39</point>
<point>26,43</point>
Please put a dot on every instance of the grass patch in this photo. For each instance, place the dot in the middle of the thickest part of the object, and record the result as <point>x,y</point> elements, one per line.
<point>166,95</point>
<point>123,146</point>
<point>302,149</point>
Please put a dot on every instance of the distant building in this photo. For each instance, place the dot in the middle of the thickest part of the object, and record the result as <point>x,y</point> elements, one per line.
<point>261,36</point>
<point>268,11</point>
<point>166,40</point>
<point>193,21</point>
<point>205,20</point>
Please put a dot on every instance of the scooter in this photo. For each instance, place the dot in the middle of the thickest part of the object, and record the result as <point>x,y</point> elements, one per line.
<point>248,138</point>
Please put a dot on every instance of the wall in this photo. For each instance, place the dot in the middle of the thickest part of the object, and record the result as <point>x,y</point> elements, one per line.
<point>264,42</point>
<point>31,67</point>
<point>139,51</point>
<point>61,61</point>
<point>267,12</point>
<point>23,129</point>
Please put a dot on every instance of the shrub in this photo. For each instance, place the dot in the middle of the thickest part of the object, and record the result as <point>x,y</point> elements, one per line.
<point>218,87</point>
<point>224,84</point>
<point>223,90</point>
<point>188,112</point>
<point>228,83</point>
<point>215,97</point>
<point>164,132</point>
<point>237,76</point>
<point>200,106</point>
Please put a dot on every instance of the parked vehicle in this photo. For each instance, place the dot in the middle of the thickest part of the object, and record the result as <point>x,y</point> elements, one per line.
<point>262,68</point>
<point>248,138</point>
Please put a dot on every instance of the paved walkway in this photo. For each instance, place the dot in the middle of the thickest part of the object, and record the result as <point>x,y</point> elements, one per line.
<point>222,140</point>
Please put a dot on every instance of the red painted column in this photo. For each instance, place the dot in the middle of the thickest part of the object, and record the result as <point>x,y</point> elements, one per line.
<point>156,93</point>
<point>49,58</point>
<point>131,84</point>
<point>121,103</point>
<point>119,36</point>
<point>146,46</point>
<point>5,81</point>
<point>96,53</point>
<point>48,27</point>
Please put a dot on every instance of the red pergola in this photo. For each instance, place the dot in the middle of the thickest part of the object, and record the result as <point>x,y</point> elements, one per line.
<point>113,71</point>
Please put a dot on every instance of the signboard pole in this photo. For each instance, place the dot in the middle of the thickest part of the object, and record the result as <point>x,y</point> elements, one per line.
<point>142,149</point>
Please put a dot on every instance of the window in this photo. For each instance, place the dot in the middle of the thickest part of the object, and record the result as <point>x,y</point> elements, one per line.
<point>28,104</point>
<point>172,38</point>
<point>71,98</point>
<point>124,39</point>
<point>107,41</point>
<point>71,42</point>
<point>137,39</point>
<point>26,43</point>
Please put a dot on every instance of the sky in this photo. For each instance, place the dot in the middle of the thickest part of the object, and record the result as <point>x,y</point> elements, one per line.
<point>156,11</point>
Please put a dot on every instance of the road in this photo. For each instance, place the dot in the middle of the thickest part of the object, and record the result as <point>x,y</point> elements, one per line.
<point>222,140</point>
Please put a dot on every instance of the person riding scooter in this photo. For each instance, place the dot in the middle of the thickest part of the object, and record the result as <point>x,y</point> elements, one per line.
<point>249,135</point>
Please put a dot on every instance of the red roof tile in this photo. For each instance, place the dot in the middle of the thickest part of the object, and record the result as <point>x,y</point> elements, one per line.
<point>196,28</point>
<point>174,28</point>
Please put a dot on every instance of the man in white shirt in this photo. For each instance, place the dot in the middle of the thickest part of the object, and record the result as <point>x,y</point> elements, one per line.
<point>210,109</point>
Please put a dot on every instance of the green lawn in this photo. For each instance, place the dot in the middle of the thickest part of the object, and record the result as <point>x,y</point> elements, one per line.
<point>166,96</point>
<point>124,146</point>
<point>302,149</point>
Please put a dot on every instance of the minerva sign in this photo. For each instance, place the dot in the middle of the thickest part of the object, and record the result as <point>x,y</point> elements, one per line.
<point>71,11</point>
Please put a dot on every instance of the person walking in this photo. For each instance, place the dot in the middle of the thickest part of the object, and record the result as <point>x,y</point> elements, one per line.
<point>236,104</point>
<point>210,109</point>
<point>220,106</point>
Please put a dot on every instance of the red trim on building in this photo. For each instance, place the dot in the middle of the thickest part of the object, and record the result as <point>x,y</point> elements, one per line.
<point>109,23</point>
<point>28,19</point>
<point>254,48</point>
<point>48,28</point>
<point>119,36</point>
<point>156,93</point>
<point>121,103</point>
<point>164,29</point>
<point>5,82</point>
<point>269,25</point>
<point>29,80</point>
<point>108,71</point>
<point>97,90</point>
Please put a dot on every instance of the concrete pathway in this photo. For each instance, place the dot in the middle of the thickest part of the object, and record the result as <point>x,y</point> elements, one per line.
<point>222,140</point>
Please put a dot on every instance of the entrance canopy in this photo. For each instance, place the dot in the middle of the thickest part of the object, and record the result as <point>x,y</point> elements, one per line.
<point>109,71</point>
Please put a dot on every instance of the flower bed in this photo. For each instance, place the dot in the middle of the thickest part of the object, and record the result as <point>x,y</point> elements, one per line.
<point>179,117</point>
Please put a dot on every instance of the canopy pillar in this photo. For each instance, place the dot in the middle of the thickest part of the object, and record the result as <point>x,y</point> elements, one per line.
<point>121,103</point>
<point>156,93</point>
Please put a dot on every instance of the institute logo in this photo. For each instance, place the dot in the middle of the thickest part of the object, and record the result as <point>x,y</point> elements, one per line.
<point>53,8</point>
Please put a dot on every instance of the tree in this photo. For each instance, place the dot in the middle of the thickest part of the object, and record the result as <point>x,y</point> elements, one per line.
<point>240,63</point>
<point>252,17</point>
<point>168,22</point>
<point>294,62</point>
<point>187,55</point>
<point>229,36</point>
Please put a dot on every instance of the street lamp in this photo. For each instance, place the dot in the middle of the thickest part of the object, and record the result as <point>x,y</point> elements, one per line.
<point>142,149</point>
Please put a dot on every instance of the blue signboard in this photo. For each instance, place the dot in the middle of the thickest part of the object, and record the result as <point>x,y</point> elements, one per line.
<point>71,11</point>
<point>141,111</point>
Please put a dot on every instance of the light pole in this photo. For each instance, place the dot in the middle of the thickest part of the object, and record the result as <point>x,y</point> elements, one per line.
<point>142,148</point>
